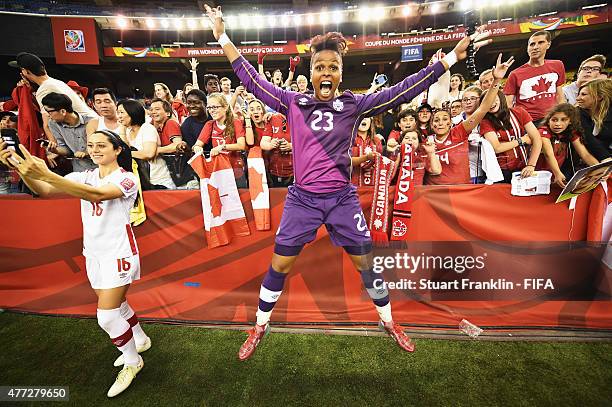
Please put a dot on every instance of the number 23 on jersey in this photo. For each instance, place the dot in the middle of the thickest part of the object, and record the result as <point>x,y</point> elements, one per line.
<point>322,121</point>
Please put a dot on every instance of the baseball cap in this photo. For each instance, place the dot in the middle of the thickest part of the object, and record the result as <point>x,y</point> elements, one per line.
<point>75,86</point>
<point>27,61</point>
<point>425,106</point>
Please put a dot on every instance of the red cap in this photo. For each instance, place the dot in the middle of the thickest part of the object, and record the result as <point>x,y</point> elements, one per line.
<point>76,87</point>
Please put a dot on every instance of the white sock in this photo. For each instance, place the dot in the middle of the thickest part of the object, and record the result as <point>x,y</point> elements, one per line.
<point>385,313</point>
<point>263,317</point>
<point>120,333</point>
<point>126,313</point>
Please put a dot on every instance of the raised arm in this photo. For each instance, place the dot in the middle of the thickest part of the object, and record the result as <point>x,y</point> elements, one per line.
<point>278,99</point>
<point>42,181</point>
<point>194,72</point>
<point>412,86</point>
<point>499,71</point>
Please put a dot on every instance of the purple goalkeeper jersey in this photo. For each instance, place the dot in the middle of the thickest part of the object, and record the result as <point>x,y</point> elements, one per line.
<point>323,133</point>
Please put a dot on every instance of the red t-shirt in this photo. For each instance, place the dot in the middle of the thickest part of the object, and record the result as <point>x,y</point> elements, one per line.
<point>170,129</point>
<point>516,158</point>
<point>559,145</point>
<point>394,135</point>
<point>358,150</point>
<point>212,131</point>
<point>280,163</point>
<point>535,88</point>
<point>454,158</point>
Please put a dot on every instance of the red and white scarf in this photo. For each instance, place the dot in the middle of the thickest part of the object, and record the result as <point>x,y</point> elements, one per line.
<point>366,169</point>
<point>379,218</point>
<point>404,195</point>
<point>221,206</point>
<point>258,188</point>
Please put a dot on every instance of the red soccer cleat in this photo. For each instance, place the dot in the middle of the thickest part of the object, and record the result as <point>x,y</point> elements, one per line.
<point>396,332</point>
<point>255,334</point>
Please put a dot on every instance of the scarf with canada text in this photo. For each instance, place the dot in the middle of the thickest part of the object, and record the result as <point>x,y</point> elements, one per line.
<point>404,195</point>
<point>379,218</point>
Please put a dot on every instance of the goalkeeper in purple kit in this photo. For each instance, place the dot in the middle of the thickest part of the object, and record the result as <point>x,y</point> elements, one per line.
<point>323,129</point>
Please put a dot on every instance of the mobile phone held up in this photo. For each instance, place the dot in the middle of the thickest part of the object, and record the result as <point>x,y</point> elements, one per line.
<point>381,79</point>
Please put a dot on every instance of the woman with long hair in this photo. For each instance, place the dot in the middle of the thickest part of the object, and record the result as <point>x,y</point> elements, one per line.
<point>107,194</point>
<point>510,130</point>
<point>144,138</point>
<point>364,150</point>
<point>227,135</point>
<point>457,83</point>
<point>594,99</point>
<point>560,133</point>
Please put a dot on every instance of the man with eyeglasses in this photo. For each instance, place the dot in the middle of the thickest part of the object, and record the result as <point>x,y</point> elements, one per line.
<point>537,85</point>
<point>589,70</point>
<point>69,129</point>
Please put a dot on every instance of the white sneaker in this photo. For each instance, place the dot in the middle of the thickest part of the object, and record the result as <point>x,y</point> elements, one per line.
<point>142,348</point>
<point>124,378</point>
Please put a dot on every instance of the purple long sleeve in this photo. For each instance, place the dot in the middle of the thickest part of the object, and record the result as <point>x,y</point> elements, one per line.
<point>403,92</point>
<point>273,96</point>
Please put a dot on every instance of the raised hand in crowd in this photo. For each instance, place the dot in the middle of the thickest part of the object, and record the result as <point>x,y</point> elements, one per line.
<point>480,40</point>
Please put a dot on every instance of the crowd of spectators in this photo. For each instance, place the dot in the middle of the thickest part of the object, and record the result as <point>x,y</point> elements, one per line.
<point>475,133</point>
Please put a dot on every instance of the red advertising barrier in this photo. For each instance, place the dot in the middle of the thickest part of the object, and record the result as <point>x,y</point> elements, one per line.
<point>75,41</point>
<point>531,238</point>
<point>561,21</point>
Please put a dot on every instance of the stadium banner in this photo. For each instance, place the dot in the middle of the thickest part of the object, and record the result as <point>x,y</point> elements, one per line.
<point>75,41</point>
<point>412,53</point>
<point>474,252</point>
<point>498,28</point>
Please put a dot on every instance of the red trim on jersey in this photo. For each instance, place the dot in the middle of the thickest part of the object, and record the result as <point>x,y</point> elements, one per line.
<point>130,234</point>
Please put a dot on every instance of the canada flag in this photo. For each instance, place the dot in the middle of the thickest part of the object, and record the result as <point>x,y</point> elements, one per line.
<point>221,206</point>
<point>258,188</point>
<point>541,86</point>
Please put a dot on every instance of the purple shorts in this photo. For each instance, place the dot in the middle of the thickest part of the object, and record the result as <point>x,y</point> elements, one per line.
<point>340,211</point>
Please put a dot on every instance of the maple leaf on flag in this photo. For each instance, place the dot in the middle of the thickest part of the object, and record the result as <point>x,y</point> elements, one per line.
<point>215,201</point>
<point>541,86</point>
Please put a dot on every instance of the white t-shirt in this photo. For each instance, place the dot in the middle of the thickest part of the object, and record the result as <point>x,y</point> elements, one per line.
<point>159,170</point>
<point>102,125</point>
<point>107,232</point>
<point>54,85</point>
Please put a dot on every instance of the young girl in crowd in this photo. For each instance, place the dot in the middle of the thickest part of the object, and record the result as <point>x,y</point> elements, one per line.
<point>561,132</point>
<point>107,194</point>
<point>457,82</point>
<point>510,130</point>
<point>145,139</point>
<point>451,142</point>
<point>424,120</point>
<point>226,133</point>
<point>424,158</point>
<point>364,150</point>
<point>406,121</point>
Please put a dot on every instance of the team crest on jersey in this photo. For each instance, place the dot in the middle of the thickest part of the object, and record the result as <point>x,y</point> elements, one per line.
<point>303,101</point>
<point>338,105</point>
<point>127,184</point>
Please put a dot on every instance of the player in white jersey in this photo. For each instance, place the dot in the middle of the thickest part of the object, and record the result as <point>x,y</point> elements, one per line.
<point>107,194</point>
